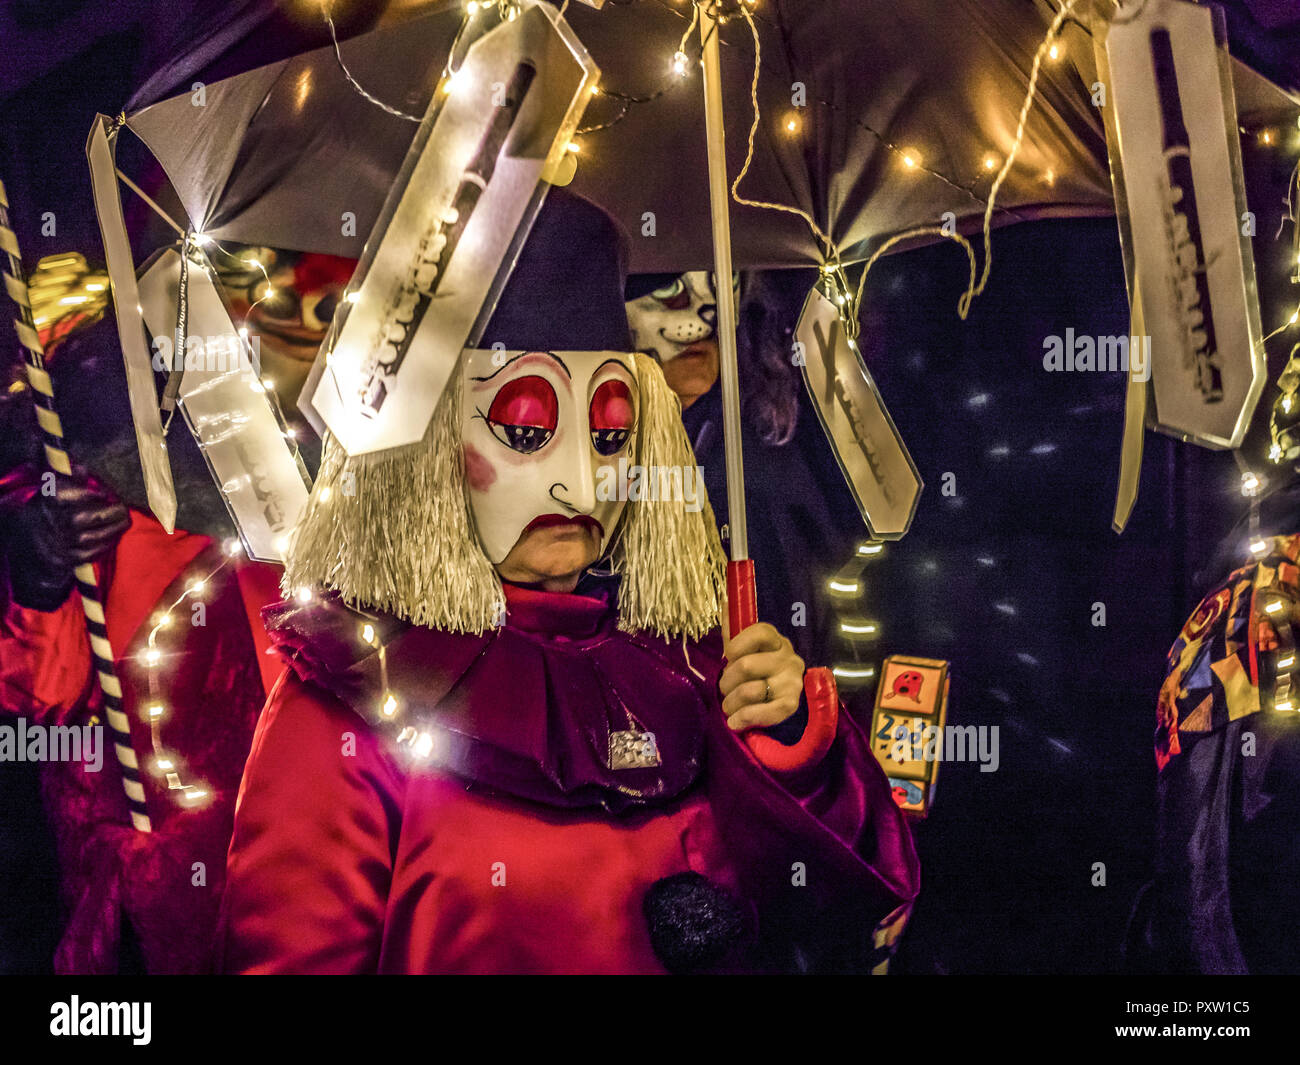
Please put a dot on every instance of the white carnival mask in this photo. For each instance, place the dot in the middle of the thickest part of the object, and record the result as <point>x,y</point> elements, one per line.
<point>669,320</point>
<point>537,427</point>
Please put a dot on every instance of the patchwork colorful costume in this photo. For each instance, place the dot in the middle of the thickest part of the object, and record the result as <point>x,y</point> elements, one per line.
<point>1227,748</point>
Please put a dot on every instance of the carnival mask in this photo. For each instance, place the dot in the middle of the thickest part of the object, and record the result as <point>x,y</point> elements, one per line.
<point>542,434</point>
<point>673,318</point>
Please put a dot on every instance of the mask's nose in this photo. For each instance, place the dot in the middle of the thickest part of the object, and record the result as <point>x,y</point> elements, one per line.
<point>576,489</point>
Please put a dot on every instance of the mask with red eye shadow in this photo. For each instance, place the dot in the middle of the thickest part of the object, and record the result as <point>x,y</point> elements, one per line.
<point>543,433</point>
<point>286,300</point>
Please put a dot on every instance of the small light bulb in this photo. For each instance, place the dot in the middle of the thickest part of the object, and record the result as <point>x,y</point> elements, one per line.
<point>423,745</point>
<point>162,621</point>
<point>156,710</point>
<point>680,63</point>
<point>1054,52</point>
<point>165,764</point>
<point>1273,607</point>
<point>268,384</point>
<point>911,160</point>
<point>1258,547</point>
<point>202,239</point>
<point>990,162</point>
<point>1285,706</point>
<point>368,633</point>
<point>573,146</point>
<point>471,8</point>
<point>152,656</point>
<point>1287,662</point>
<point>595,90</point>
<point>352,297</point>
<point>304,594</point>
<point>233,547</point>
<point>792,124</point>
<point>195,794</point>
<point>325,494</point>
<point>198,586</point>
<point>390,706</point>
<point>1267,136</point>
<point>281,544</point>
<point>243,332</point>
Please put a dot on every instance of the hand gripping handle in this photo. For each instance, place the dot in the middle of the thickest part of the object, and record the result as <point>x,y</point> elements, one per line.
<point>819,689</point>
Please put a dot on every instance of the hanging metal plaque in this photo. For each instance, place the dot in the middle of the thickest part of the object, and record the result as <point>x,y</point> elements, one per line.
<point>101,147</point>
<point>1179,173</point>
<point>871,454</point>
<point>450,231</point>
<point>255,463</point>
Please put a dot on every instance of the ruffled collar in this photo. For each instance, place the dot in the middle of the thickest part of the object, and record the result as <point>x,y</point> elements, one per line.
<point>557,706</point>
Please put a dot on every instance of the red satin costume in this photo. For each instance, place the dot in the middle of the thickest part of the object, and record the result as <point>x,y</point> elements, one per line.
<point>212,678</point>
<point>523,857</point>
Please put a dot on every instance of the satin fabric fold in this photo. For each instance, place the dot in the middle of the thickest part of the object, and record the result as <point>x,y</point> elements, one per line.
<point>349,858</point>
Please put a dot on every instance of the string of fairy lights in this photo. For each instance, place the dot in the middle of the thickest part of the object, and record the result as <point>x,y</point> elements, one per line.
<point>846,587</point>
<point>858,633</point>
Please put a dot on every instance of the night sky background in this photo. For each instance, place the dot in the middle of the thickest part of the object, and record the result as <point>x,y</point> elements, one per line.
<point>1000,579</point>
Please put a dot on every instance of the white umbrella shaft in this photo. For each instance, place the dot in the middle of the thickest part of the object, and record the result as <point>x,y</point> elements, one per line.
<point>719,210</point>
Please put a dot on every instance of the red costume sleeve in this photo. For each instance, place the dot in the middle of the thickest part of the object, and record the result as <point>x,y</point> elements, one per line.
<point>837,820</point>
<point>317,822</point>
<point>44,661</point>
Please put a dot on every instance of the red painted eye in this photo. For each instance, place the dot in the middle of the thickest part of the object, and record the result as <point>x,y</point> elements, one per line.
<point>523,413</point>
<point>613,416</point>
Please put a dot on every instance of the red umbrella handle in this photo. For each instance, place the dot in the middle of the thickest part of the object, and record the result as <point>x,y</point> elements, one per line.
<point>818,686</point>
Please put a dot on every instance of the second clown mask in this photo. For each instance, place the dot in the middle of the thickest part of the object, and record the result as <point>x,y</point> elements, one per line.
<point>543,433</point>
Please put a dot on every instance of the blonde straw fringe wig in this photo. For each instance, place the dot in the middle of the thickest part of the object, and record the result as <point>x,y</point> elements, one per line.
<point>393,531</point>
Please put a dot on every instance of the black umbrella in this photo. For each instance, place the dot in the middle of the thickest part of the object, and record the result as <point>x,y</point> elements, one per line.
<point>874,118</point>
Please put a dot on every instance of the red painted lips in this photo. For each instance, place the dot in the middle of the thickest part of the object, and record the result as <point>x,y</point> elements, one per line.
<point>547,520</point>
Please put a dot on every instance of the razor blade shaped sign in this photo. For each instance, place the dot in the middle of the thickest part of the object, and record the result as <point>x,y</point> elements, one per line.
<point>871,455</point>
<point>1180,162</point>
<point>256,466</point>
<point>450,231</point>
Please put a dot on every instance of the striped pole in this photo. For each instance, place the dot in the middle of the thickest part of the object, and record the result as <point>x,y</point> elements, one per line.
<point>92,600</point>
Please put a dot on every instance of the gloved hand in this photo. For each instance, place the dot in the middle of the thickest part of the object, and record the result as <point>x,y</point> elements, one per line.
<point>47,536</point>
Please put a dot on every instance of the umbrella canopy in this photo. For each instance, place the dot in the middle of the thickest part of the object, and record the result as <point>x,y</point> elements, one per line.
<point>900,113</point>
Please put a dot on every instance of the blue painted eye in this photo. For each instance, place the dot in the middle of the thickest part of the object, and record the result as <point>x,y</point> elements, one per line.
<point>523,415</point>
<point>611,416</point>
